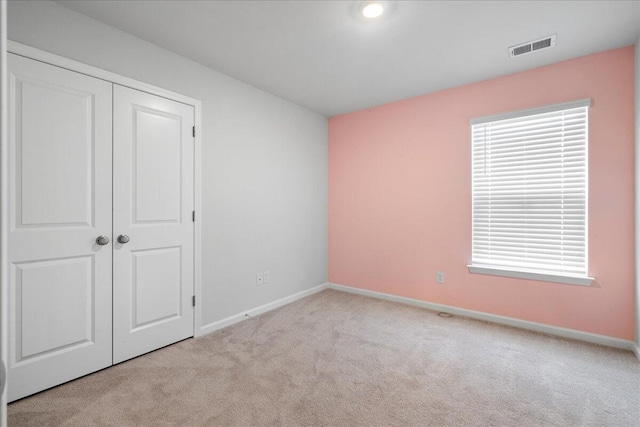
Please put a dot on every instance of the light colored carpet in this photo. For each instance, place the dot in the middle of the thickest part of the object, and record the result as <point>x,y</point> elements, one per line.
<point>335,359</point>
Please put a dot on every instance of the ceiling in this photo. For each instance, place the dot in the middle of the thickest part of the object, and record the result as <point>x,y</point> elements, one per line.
<point>322,55</point>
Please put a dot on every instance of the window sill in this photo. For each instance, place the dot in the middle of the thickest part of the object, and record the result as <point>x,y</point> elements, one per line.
<point>524,274</point>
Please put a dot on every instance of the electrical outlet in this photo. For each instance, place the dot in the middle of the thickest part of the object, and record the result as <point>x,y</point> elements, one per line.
<point>259,279</point>
<point>440,276</point>
<point>266,277</point>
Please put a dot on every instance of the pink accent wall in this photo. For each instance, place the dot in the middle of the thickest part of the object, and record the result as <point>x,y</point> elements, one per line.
<point>400,196</point>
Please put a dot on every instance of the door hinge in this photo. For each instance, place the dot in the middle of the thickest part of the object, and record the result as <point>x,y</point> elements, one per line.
<point>193,216</point>
<point>194,131</point>
<point>193,301</point>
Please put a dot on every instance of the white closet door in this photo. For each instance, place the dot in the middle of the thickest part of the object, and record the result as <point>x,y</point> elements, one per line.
<point>60,202</point>
<point>153,201</point>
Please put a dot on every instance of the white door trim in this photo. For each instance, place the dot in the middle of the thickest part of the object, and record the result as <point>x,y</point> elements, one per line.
<point>4,210</point>
<point>69,64</point>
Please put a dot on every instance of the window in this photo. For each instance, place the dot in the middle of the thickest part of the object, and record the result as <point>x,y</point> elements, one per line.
<point>530,176</point>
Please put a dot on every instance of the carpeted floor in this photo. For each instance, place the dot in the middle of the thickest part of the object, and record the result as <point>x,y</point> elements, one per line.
<point>336,359</point>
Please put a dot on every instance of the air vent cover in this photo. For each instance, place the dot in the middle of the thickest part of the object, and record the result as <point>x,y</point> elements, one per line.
<point>532,46</point>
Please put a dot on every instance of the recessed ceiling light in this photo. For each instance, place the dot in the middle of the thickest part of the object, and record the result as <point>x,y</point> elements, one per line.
<point>372,9</point>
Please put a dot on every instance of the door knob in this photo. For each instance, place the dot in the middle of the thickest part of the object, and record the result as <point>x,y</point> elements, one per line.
<point>123,238</point>
<point>102,240</point>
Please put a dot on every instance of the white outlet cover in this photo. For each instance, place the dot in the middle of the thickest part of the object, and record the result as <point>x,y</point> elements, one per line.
<point>259,279</point>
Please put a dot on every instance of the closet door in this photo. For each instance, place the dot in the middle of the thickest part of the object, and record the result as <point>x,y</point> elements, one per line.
<point>153,201</point>
<point>59,204</point>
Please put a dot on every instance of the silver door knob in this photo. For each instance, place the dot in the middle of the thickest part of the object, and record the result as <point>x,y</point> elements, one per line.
<point>102,240</point>
<point>123,238</point>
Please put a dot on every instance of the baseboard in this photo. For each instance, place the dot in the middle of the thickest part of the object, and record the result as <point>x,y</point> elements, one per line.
<point>636,350</point>
<point>503,320</point>
<point>214,326</point>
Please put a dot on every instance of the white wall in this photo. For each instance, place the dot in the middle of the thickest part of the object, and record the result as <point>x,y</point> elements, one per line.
<point>264,160</point>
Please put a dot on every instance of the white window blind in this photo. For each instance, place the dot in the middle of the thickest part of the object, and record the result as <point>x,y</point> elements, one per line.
<point>530,176</point>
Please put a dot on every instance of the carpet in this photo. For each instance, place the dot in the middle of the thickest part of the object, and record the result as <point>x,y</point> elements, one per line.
<point>337,359</point>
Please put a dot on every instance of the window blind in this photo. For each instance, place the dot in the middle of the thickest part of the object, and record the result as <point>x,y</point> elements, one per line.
<point>530,180</point>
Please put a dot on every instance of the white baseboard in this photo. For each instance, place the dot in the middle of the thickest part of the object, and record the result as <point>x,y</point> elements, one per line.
<point>636,350</point>
<point>214,326</point>
<point>509,321</point>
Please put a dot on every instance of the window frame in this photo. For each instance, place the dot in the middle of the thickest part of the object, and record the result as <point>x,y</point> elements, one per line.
<point>524,273</point>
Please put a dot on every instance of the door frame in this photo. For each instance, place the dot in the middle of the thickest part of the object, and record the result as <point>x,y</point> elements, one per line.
<point>78,67</point>
<point>4,214</point>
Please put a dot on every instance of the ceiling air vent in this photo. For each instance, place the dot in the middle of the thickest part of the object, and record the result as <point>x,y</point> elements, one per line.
<point>522,49</point>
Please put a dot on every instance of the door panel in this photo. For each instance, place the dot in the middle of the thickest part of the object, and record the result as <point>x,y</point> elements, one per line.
<point>53,110</point>
<point>157,290</point>
<point>37,334</point>
<point>153,199</point>
<point>60,201</point>
<point>157,165</point>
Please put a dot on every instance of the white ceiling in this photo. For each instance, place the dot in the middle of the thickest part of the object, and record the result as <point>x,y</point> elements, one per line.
<point>321,55</point>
